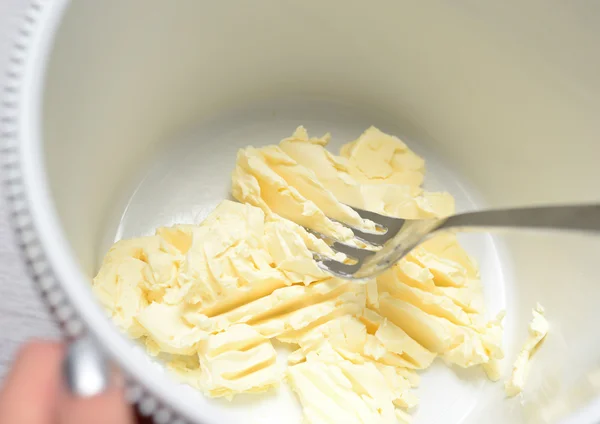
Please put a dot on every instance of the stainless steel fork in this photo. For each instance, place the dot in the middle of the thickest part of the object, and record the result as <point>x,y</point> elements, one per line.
<point>400,236</point>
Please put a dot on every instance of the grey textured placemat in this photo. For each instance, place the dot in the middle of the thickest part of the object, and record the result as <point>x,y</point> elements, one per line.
<point>22,315</point>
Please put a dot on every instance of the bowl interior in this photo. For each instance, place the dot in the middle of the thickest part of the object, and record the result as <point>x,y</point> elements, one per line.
<point>201,175</point>
<point>146,102</point>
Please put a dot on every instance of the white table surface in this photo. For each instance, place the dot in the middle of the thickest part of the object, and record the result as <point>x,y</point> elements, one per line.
<point>22,315</point>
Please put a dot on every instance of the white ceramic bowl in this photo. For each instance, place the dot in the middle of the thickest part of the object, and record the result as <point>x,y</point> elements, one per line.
<point>119,116</point>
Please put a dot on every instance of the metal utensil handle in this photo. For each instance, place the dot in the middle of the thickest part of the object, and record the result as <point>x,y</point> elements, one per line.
<point>580,218</point>
<point>86,370</point>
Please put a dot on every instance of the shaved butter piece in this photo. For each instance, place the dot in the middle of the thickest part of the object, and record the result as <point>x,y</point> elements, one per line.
<point>344,334</point>
<point>387,199</point>
<point>409,374</point>
<point>372,293</point>
<point>448,262</point>
<point>434,205</point>
<point>178,236</point>
<point>312,243</point>
<point>431,303</point>
<point>399,385</point>
<point>256,183</point>
<point>377,352</point>
<point>236,257</point>
<point>282,303</point>
<point>468,297</point>
<point>396,340</point>
<point>429,331</point>
<point>120,288</point>
<point>293,326</point>
<point>238,360</point>
<point>162,257</point>
<point>306,182</point>
<point>538,329</point>
<point>411,273</point>
<point>168,330</point>
<point>463,346</point>
<point>159,275</point>
<point>286,243</point>
<point>227,261</point>
<point>479,345</point>
<point>347,180</point>
<point>331,171</point>
<point>347,149</point>
<point>379,156</point>
<point>332,390</point>
<point>445,272</point>
<point>446,246</point>
<point>348,336</point>
<point>492,369</point>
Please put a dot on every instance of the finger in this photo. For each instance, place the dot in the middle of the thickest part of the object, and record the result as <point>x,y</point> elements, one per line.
<point>29,394</point>
<point>108,407</point>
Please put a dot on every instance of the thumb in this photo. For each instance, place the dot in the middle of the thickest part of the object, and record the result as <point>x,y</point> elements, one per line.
<point>108,407</point>
<point>91,393</point>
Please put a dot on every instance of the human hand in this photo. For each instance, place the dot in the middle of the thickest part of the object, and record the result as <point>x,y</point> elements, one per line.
<point>34,393</point>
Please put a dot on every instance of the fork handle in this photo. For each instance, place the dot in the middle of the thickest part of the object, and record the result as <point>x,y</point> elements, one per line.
<point>574,217</point>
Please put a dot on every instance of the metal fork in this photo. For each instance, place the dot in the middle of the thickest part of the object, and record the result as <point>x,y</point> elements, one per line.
<point>400,236</point>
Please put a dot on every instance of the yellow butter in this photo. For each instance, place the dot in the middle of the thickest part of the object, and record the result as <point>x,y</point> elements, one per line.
<point>376,155</point>
<point>379,174</point>
<point>166,327</point>
<point>121,288</point>
<point>538,330</point>
<point>237,360</point>
<point>332,390</point>
<point>432,303</point>
<point>461,345</point>
<point>255,182</point>
<point>210,298</point>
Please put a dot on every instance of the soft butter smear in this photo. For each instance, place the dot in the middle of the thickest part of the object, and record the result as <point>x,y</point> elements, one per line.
<point>538,330</point>
<point>210,299</point>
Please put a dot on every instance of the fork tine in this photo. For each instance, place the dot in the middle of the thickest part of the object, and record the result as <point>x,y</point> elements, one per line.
<point>353,252</point>
<point>340,269</point>
<point>348,250</point>
<point>375,239</point>
<point>391,227</point>
<point>390,224</point>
